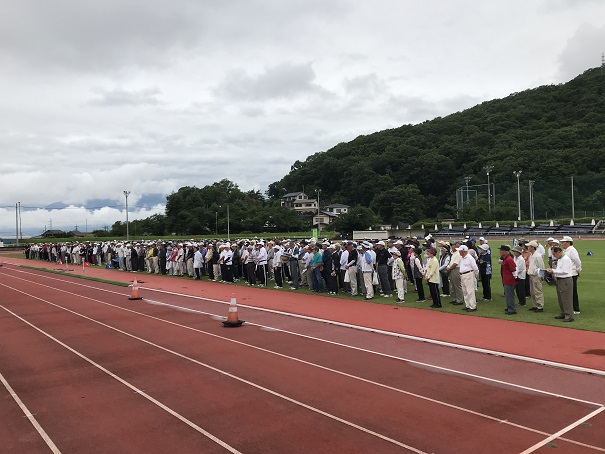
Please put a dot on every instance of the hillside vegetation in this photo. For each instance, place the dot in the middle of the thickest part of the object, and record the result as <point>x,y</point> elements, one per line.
<point>408,173</point>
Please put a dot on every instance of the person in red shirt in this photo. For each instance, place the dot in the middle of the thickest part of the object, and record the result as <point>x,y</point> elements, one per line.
<point>508,278</point>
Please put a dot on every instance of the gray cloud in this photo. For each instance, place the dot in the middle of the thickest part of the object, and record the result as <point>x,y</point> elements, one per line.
<point>121,97</point>
<point>582,51</point>
<point>282,81</point>
<point>199,90</point>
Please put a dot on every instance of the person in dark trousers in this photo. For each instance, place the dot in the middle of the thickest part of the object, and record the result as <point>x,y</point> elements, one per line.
<point>485,271</point>
<point>327,263</point>
<point>444,261</point>
<point>162,256</point>
<point>508,270</point>
<point>382,261</point>
<point>418,273</point>
<point>520,273</point>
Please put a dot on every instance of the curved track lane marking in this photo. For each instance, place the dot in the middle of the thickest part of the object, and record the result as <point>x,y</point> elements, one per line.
<point>400,358</point>
<point>193,360</point>
<point>372,330</point>
<point>320,366</point>
<point>30,416</point>
<point>124,382</point>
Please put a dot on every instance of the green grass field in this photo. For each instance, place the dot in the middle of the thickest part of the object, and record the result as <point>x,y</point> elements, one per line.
<point>590,290</point>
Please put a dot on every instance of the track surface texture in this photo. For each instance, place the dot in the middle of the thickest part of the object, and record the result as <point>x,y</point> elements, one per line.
<point>85,369</point>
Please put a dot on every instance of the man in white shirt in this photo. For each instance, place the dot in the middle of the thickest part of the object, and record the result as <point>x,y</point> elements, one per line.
<point>563,273</point>
<point>536,263</point>
<point>368,262</point>
<point>453,271</point>
<point>261,264</point>
<point>520,273</point>
<point>468,273</point>
<point>576,268</point>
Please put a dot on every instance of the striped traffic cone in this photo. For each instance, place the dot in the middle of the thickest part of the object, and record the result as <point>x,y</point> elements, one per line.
<point>135,291</point>
<point>233,320</point>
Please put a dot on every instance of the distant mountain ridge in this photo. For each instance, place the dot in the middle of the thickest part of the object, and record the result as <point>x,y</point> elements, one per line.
<point>412,172</point>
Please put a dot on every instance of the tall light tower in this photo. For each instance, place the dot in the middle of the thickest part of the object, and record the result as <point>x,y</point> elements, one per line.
<point>531,199</point>
<point>467,181</point>
<point>488,170</point>
<point>573,207</point>
<point>318,191</point>
<point>517,173</point>
<point>126,194</point>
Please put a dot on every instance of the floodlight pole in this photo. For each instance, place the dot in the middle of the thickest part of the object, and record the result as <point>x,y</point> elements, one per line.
<point>531,199</point>
<point>467,181</point>
<point>573,209</point>
<point>126,194</point>
<point>488,169</point>
<point>318,223</point>
<point>517,173</point>
<point>228,234</point>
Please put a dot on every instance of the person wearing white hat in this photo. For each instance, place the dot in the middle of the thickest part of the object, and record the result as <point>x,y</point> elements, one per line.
<point>398,274</point>
<point>485,271</point>
<point>453,270</point>
<point>536,263</point>
<point>468,274</point>
<point>261,264</point>
<point>382,263</point>
<point>520,274</point>
<point>351,267</point>
<point>550,243</point>
<point>277,265</point>
<point>368,262</point>
<point>563,273</point>
<point>198,260</point>
<point>576,268</point>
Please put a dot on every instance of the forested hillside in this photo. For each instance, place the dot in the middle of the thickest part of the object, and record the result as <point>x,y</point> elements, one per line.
<point>412,172</point>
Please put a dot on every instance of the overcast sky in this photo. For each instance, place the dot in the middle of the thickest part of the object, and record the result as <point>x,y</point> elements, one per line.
<point>98,97</point>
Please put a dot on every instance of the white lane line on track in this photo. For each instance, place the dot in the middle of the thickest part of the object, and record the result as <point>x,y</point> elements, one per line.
<point>427,340</point>
<point>563,431</point>
<point>124,382</point>
<point>30,416</point>
<point>328,369</point>
<point>208,366</point>
<point>444,369</point>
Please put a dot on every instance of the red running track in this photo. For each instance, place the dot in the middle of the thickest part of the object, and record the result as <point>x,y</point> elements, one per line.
<point>179,378</point>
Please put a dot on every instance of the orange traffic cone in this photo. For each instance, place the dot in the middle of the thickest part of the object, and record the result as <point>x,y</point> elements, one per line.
<point>233,320</point>
<point>135,291</point>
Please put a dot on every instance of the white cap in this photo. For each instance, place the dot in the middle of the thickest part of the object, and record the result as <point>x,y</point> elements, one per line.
<point>462,248</point>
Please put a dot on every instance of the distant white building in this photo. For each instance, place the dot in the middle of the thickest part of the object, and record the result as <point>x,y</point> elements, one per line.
<point>329,213</point>
<point>336,209</point>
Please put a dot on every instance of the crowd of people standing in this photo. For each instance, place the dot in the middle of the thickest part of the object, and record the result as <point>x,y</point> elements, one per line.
<point>449,269</point>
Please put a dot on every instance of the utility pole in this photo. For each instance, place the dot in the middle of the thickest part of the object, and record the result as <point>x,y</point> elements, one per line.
<point>20,223</point>
<point>228,235</point>
<point>531,199</point>
<point>126,194</point>
<point>16,224</point>
<point>488,170</point>
<point>573,208</point>
<point>467,181</point>
<point>517,173</point>
<point>318,214</point>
